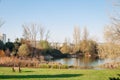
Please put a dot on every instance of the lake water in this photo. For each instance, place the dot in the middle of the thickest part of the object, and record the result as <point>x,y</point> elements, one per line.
<point>90,62</point>
<point>84,61</point>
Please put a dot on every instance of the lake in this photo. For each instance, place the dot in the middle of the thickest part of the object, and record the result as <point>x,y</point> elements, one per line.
<point>89,62</point>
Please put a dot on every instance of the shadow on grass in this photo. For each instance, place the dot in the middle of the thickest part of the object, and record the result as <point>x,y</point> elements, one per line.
<point>38,76</point>
<point>118,74</point>
<point>27,71</point>
<point>115,78</point>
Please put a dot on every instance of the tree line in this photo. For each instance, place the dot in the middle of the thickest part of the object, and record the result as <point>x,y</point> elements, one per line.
<point>82,43</point>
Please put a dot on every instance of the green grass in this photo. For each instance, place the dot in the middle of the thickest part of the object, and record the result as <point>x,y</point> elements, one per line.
<point>58,74</point>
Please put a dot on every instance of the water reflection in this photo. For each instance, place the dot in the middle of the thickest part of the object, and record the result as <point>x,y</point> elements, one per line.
<point>80,61</point>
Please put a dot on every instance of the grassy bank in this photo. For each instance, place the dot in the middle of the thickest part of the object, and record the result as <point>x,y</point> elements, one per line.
<point>58,74</point>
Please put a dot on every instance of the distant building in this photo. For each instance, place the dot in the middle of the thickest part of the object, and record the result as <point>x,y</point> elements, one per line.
<point>3,37</point>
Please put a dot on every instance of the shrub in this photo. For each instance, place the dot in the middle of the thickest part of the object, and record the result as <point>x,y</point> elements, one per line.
<point>65,48</point>
<point>88,46</point>
<point>55,66</point>
<point>23,50</point>
<point>64,66</point>
<point>44,66</point>
<point>44,44</point>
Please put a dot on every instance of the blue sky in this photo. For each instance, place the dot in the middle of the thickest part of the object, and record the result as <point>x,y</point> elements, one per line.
<point>58,16</point>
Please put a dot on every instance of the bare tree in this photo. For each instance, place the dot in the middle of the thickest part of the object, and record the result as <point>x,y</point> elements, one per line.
<point>76,35</point>
<point>111,48</point>
<point>47,35</point>
<point>76,39</point>
<point>26,33</point>
<point>85,34</point>
<point>30,32</point>
<point>42,32</point>
<point>112,33</point>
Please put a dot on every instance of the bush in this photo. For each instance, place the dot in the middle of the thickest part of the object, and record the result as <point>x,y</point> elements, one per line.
<point>65,48</point>
<point>55,66</point>
<point>23,50</point>
<point>44,66</point>
<point>64,66</point>
<point>44,45</point>
<point>88,46</point>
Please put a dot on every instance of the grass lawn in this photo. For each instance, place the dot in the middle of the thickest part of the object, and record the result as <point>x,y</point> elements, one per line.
<point>58,74</point>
